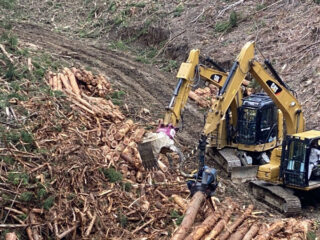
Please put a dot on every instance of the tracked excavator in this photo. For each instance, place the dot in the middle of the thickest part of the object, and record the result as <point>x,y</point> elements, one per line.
<point>240,137</point>
<point>253,125</point>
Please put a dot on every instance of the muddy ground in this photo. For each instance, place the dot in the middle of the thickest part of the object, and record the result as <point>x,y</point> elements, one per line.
<point>82,32</point>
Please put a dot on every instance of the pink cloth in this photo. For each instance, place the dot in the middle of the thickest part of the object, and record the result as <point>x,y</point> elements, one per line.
<point>168,130</point>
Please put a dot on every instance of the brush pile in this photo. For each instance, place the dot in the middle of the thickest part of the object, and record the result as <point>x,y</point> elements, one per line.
<point>78,174</point>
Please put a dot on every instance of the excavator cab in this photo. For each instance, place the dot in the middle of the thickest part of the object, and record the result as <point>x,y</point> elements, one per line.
<point>257,120</point>
<point>298,166</point>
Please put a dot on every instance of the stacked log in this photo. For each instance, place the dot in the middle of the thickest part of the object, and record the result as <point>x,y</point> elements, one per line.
<point>87,92</point>
<point>203,96</point>
<point>227,222</point>
<point>79,80</point>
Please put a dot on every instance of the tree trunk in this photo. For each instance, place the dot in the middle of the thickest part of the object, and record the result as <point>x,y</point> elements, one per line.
<point>253,231</point>
<point>191,213</point>
<point>238,235</point>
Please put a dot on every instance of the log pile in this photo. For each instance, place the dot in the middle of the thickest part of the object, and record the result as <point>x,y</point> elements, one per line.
<point>85,178</point>
<point>119,141</point>
<point>204,96</point>
<point>229,222</point>
<point>77,80</point>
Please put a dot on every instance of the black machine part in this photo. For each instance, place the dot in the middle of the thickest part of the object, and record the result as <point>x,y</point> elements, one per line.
<point>206,182</point>
<point>257,121</point>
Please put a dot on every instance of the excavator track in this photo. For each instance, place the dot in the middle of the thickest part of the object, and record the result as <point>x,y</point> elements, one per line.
<point>276,196</point>
<point>226,158</point>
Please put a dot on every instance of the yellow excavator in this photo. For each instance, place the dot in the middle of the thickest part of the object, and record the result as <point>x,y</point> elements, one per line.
<point>238,152</point>
<point>252,125</point>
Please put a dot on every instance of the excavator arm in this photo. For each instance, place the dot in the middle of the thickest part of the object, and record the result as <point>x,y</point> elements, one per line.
<point>282,97</point>
<point>189,72</point>
<point>229,89</point>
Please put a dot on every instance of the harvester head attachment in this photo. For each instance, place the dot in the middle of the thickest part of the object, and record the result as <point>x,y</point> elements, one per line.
<point>151,146</point>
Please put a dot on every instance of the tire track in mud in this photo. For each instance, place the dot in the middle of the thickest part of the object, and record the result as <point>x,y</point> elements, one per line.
<point>145,85</point>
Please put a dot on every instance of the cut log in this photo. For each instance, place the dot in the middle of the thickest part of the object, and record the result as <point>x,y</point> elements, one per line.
<point>162,166</point>
<point>123,129</point>
<point>139,177</point>
<point>59,84</point>
<point>72,80</point>
<point>65,81</point>
<point>54,82</point>
<point>138,134</point>
<point>180,201</point>
<point>159,176</point>
<point>221,224</point>
<point>234,226</point>
<point>239,234</point>
<point>194,96</point>
<point>253,231</point>
<point>274,228</point>
<point>191,213</point>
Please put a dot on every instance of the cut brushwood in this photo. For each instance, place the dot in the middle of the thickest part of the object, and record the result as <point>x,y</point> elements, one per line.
<point>270,232</point>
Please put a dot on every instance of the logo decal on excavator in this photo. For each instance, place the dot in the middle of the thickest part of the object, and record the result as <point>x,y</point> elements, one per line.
<point>216,77</point>
<point>274,87</point>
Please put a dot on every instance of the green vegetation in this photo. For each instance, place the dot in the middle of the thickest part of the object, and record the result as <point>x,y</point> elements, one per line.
<point>260,6</point>
<point>178,11</point>
<point>122,219</point>
<point>311,235</point>
<point>176,217</point>
<point>171,66</point>
<point>227,25</point>
<point>317,1</point>
<point>7,159</point>
<point>126,186</point>
<point>48,203</point>
<point>7,4</point>
<point>16,177</point>
<point>119,45</point>
<point>22,139</point>
<point>26,196</point>
<point>42,193</point>
<point>117,97</point>
<point>112,175</point>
